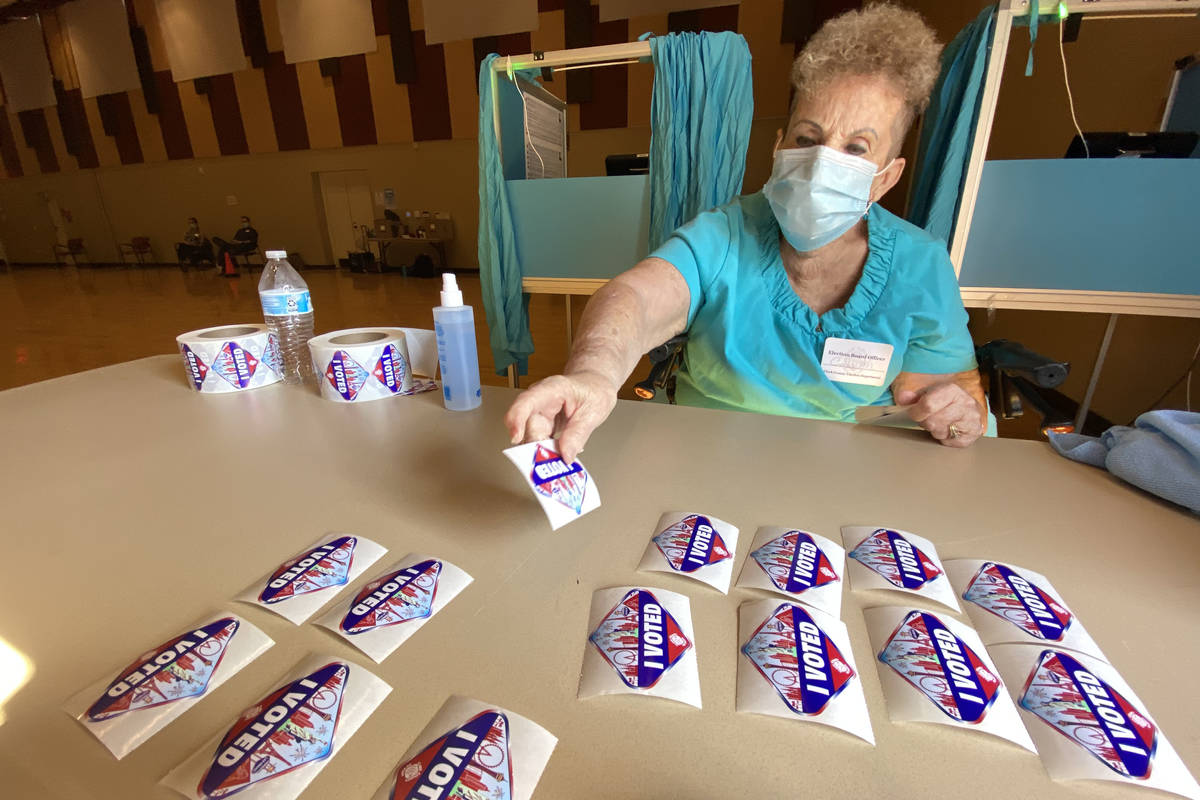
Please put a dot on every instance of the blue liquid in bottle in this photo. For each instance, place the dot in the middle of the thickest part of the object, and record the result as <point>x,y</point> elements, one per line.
<point>454,325</point>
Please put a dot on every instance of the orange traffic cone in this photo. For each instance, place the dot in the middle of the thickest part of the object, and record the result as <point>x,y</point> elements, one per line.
<point>230,269</point>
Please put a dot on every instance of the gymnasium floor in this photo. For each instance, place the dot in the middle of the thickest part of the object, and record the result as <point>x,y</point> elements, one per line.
<point>59,320</point>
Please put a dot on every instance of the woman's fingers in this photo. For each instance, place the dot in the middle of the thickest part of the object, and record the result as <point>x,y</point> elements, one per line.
<point>568,408</point>
<point>949,414</point>
<point>545,398</point>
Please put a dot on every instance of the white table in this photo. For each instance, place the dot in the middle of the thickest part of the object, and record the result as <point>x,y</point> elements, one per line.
<point>132,506</point>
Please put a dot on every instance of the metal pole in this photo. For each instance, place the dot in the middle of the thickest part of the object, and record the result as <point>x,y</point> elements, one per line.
<point>1086,405</point>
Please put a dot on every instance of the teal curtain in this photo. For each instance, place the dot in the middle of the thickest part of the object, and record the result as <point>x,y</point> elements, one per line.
<point>507,307</point>
<point>948,130</point>
<point>701,111</point>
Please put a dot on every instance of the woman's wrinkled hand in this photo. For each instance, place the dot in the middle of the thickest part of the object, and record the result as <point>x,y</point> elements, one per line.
<point>563,407</point>
<point>943,406</point>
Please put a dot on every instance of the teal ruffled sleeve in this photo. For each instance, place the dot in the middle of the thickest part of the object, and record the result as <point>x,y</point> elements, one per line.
<point>939,342</point>
<point>699,250</point>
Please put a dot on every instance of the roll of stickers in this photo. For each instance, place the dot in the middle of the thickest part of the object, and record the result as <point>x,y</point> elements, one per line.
<point>362,364</point>
<point>230,358</point>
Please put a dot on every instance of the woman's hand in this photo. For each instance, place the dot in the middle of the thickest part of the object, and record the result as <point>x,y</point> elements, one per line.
<point>940,402</point>
<point>564,407</point>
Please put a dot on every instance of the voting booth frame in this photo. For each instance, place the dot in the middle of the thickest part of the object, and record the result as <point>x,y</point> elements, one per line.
<point>1040,298</point>
<point>578,58</point>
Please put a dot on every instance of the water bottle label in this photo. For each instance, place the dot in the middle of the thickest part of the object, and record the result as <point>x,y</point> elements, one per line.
<point>281,304</point>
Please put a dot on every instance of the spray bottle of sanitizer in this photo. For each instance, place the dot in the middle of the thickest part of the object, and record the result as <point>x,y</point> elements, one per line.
<point>454,324</point>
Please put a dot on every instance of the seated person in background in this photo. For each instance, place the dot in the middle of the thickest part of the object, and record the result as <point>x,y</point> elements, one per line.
<point>245,241</point>
<point>765,283</point>
<point>195,247</point>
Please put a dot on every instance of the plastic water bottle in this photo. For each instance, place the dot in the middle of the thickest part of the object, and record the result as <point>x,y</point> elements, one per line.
<point>454,325</point>
<point>288,311</point>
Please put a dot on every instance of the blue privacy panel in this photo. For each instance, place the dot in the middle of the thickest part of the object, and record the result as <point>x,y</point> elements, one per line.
<point>580,227</point>
<point>1112,225</point>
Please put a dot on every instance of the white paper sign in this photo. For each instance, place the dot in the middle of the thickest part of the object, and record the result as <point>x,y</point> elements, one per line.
<point>695,546</point>
<point>469,744</point>
<point>129,707</point>
<point>796,564</point>
<point>422,351</point>
<point>934,669</point>
<point>796,663</point>
<point>885,416</point>
<point>1087,721</point>
<point>1014,605</point>
<point>565,492</point>
<point>640,641</point>
<point>856,361</point>
<point>888,558</point>
<point>395,604</point>
<point>274,748</point>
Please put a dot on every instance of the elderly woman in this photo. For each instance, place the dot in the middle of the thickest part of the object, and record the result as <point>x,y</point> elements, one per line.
<point>806,299</point>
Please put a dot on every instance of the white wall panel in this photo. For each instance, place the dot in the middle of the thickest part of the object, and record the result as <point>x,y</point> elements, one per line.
<point>316,29</point>
<point>202,37</point>
<point>453,20</point>
<point>99,34</point>
<point>24,67</point>
<point>623,9</point>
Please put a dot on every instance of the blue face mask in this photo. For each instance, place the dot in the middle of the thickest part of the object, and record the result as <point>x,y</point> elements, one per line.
<point>818,193</point>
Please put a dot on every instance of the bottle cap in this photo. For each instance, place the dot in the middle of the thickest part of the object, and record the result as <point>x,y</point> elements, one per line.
<point>276,254</point>
<point>451,295</point>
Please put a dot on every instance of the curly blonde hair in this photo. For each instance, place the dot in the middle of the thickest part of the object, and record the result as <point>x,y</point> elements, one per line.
<point>881,39</point>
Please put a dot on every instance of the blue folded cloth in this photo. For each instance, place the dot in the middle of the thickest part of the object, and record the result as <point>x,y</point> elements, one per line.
<point>1160,453</point>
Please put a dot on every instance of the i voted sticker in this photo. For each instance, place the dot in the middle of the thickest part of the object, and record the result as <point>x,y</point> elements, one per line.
<point>696,546</point>
<point>325,565</point>
<point>896,559</point>
<point>1006,593</point>
<point>798,659</point>
<point>197,369</point>
<point>942,666</point>
<point>1063,693</point>
<point>692,543</point>
<point>469,761</point>
<point>640,639</point>
<point>856,361</point>
<point>175,670</point>
<point>291,727</point>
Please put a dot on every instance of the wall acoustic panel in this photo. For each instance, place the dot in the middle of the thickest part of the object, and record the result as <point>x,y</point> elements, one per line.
<point>453,20</point>
<point>202,37</point>
<point>99,35</point>
<point>24,68</point>
<point>624,9</point>
<point>316,29</point>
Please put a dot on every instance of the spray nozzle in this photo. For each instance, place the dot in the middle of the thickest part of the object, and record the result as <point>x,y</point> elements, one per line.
<point>451,294</point>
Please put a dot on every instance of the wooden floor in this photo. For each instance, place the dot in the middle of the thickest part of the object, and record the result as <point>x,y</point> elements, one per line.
<point>59,320</point>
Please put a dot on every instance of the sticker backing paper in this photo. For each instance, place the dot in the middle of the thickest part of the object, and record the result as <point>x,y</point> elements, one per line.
<point>472,750</point>
<point>275,748</point>
<point>1088,723</point>
<point>394,604</point>
<point>799,565</point>
<point>934,669</point>
<point>640,641</point>
<point>566,492</point>
<point>129,707</point>
<point>298,587</point>
<point>889,558</point>
<point>696,546</point>
<point>1014,605</point>
<point>795,662</point>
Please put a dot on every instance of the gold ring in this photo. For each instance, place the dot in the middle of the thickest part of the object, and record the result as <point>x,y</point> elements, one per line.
<point>954,432</point>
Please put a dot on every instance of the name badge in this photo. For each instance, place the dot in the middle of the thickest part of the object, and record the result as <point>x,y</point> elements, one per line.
<point>855,361</point>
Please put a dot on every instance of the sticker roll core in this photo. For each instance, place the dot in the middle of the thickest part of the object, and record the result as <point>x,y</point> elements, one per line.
<point>362,364</point>
<point>230,358</point>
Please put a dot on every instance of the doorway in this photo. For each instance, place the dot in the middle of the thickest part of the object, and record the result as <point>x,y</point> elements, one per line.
<point>346,195</point>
